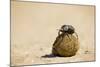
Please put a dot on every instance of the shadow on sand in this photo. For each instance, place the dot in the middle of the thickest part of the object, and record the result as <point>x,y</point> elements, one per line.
<point>49,56</point>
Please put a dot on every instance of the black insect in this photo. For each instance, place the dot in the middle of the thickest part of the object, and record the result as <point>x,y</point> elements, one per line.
<point>67,29</point>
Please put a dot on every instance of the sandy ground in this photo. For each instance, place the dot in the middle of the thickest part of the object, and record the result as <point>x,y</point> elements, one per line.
<point>34,29</point>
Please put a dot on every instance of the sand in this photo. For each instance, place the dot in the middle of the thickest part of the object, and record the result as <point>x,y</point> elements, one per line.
<point>34,30</point>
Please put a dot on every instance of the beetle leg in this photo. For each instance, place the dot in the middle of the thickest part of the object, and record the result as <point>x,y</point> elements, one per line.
<point>68,36</point>
<point>59,32</point>
<point>76,35</point>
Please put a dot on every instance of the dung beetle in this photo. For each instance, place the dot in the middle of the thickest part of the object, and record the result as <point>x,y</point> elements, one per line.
<point>67,29</point>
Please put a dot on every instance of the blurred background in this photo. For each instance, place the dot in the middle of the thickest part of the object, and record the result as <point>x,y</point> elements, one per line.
<point>34,29</point>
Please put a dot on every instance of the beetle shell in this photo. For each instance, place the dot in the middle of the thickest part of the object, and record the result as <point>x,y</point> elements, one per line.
<point>67,29</point>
